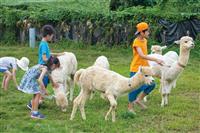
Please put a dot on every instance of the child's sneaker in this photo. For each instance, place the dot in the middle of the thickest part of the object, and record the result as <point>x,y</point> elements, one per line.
<point>37,115</point>
<point>29,105</point>
<point>131,111</point>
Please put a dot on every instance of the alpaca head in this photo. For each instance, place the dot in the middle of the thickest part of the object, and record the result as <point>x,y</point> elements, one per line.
<point>156,49</point>
<point>61,97</point>
<point>145,74</point>
<point>61,101</point>
<point>186,43</point>
<point>102,61</point>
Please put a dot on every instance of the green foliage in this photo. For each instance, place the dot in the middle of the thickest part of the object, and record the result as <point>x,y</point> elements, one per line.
<point>55,12</point>
<point>122,4</point>
<point>9,37</point>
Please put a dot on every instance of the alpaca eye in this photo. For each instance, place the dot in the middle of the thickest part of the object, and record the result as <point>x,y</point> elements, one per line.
<point>146,75</point>
<point>186,41</point>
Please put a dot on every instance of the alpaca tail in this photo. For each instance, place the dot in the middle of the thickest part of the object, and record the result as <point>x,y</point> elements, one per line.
<point>77,76</point>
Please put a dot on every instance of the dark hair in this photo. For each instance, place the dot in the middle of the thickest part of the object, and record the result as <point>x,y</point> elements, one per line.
<point>145,30</point>
<point>47,30</point>
<point>141,31</point>
<point>51,61</point>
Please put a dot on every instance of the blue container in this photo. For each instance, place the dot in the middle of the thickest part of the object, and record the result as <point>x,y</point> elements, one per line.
<point>32,37</point>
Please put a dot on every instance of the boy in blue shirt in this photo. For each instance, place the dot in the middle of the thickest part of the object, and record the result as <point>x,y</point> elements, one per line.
<point>44,53</point>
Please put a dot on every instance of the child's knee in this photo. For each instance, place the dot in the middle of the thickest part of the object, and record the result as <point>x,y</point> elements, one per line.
<point>131,97</point>
<point>8,75</point>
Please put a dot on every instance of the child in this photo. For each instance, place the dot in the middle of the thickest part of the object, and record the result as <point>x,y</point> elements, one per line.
<point>8,66</point>
<point>44,52</point>
<point>140,58</point>
<point>32,83</point>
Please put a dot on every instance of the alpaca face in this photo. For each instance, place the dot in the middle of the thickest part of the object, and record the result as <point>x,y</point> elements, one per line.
<point>61,100</point>
<point>146,75</point>
<point>186,42</point>
<point>156,49</point>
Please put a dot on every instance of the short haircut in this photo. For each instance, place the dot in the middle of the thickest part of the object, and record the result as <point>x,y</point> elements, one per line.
<point>52,60</point>
<point>47,30</point>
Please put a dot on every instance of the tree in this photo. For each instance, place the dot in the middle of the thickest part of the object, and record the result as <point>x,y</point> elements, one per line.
<point>121,4</point>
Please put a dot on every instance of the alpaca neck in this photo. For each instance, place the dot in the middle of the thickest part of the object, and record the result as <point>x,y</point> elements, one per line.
<point>133,83</point>
<point>184,56</point>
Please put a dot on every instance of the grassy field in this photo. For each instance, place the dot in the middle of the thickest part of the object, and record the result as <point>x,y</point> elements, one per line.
<point>182,114</point>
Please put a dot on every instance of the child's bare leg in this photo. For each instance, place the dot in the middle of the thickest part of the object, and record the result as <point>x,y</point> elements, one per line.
<point>35,102</point>
<point>131,107</point>
<point>139,99</point>
<point>7,79</point>
<point>41,99</point>
<point>3,82</point>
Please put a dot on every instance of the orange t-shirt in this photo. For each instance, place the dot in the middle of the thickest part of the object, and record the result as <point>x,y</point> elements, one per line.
<point>137,60</point>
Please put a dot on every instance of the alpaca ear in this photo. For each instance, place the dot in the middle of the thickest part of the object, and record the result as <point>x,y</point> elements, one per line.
<point>177,42</point>
<point>163,47</point>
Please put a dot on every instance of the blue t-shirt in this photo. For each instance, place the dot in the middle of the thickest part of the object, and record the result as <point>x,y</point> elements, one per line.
<point>43,49</point>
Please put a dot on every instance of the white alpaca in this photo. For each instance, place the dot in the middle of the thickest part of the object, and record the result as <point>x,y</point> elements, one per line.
<point>102,62</point>
<point>157,49</point>
<point>64,77</point>
<point>108,82</point>
<point>169,58</point>
<point>170,74</point>
<point>156,52</point>
<point>61,97</point>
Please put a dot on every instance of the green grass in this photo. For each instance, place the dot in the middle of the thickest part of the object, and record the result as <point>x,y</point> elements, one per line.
<point>182,114</point>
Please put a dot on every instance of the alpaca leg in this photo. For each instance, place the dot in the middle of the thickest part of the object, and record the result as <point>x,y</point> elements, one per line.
<point>163,100</point>
<point>113,104</point>
<point>106,117</point>
<point>103,96</point>
<point>75,106</point>
<point>76,103</point>
<point>71,86</point>
<point>113,113</point>
<point>84,97</point>
<point>91,95</point>
<point>166,99</point>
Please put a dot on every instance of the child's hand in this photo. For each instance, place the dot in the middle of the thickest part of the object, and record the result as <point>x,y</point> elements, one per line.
<point>44,92</point>
<point>160,62</point>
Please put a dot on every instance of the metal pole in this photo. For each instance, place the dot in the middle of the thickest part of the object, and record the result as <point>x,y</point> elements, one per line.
<point>32,37</point>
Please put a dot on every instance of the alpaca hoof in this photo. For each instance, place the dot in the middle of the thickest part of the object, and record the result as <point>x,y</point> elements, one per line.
<point>84,118</point>
<point>162,105</point>
<point>64,110</point>
<point>113,120</point>
<point>71,119</point>
<point>106,118</point>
